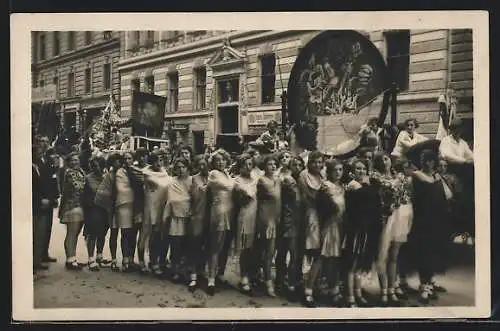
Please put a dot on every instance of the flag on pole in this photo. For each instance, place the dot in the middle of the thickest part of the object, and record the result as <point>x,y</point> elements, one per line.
<point>447,112</point>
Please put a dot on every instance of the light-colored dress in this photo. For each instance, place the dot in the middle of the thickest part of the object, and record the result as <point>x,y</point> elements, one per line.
<point>399,222</point>
<point>331,240</point>
<point>155,195</point>
<point>124,205</point>
<point>245,193</point>
<point>198,222</point>
<point>220,184</point>
<point>269,206</point>
<point>309,185</point>
<point>178,207</point>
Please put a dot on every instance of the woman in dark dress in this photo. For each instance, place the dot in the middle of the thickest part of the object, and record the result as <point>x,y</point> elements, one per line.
<point>95,217</point>
<point>361,230</point>
<point>430,226</point>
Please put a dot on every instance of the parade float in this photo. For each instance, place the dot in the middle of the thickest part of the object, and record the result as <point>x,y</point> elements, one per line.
<point>338,82</point>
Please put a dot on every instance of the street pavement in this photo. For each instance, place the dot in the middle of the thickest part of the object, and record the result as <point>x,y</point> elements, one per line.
<point>59,288</point>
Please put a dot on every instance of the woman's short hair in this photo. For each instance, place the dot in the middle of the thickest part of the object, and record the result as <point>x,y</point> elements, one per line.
<point>113,157</point>
<point>313,156</point>
<point>378,161</point>
<point>140,153</point>
<point>352,163</point>
<point>72,155</point>
<point>428,155</point>
<point>331,164</point>
<point>282,153</point>
<point>222,153</point>
<point>198,158</point>
<point>268,158</point>
<point>240,162</point>
<point>409,120</point>
<point>183,161</point>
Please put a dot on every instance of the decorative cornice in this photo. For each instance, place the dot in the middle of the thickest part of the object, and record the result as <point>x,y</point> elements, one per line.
<point>77,54</point>
<point>203,46</point>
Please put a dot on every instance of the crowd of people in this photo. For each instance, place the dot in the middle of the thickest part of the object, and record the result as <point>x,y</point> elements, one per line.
<point>293,220</point>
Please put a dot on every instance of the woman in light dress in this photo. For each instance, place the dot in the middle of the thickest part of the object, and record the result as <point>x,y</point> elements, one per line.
<point>124,209</point>
<point>268,217</point>
<point>310,181</point>
<point>153,230</point>
<point>198,223</point>
<point>397,215</point>
<point>331,208</point>
<point>177,213</point>
<point>220,186</point>
<point>245,202</point>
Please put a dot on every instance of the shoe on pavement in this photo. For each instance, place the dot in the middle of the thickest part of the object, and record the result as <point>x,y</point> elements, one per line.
<point>50,259</point>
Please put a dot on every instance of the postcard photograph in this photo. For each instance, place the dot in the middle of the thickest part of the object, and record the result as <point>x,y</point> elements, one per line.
<point>271,165</point>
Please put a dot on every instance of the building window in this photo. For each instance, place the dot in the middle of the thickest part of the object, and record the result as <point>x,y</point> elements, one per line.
<point>71,84</point>
<point>107,35</point>
<point>55,81</point>
<point>42,47</point>
<point>136,85</point>
<point>398,57</point>
<point>71,40</point>
<point>34,79</point>
<point>150,84</point>
<point>107,76</point>
<point>228,90</point>
<point>173,86</point>
<point>268,77</point>
<point>201,87</point>
<point>57,43</point>
<point>88,80</point>
<point>42,83</point>
<point>88,37</point>
<point>150,39</point>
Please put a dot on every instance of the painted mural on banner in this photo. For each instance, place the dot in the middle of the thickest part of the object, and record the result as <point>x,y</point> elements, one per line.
<point>148,111</point>
<point>337,74</point>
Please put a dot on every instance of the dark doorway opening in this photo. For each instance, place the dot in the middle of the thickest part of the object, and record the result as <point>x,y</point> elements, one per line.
<point>198,141</point>
<point>228,119</point>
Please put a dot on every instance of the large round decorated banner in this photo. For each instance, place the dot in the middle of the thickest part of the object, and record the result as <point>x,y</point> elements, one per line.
<point>333,90</point>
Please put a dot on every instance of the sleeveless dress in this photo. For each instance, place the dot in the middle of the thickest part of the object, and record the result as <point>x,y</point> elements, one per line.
<point>198,222</point>
<point>178,207</point>
<point>431,224</point>
<point>124,205</point>
<point>220,185</point>
<point>363,223</point>
<point>331,199</point>
<point>155,196</point>
<point>245,198</point>
<point>309,186</point>
<point>269,206</point>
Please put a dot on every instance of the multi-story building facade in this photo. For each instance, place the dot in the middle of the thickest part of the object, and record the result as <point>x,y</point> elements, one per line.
<point>231,82</point>
<point>78,69</point>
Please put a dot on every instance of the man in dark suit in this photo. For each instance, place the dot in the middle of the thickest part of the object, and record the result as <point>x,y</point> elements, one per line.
<point>49,194</point>
<point>38,204</point>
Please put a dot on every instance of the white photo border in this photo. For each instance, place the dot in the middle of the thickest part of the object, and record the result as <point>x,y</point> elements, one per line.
<point>23,24</point>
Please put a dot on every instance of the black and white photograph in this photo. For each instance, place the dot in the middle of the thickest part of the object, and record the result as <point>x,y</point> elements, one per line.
<point>334,167</point>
